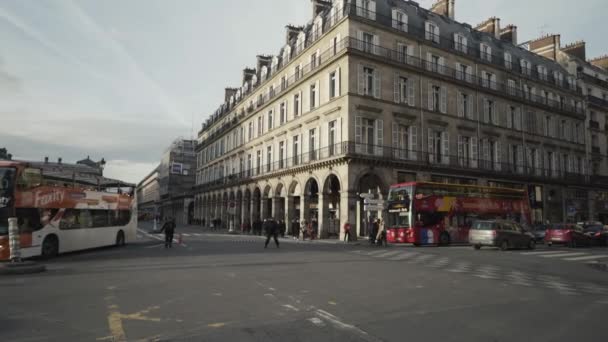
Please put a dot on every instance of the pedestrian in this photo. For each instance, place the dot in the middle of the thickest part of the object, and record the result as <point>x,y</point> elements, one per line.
<point>373,230</point>
<point>169,229</point>
<point>295,229</point>
<point>346,231</point>
<point>315,228</point>
<point>303,229</point>
<point>282,228</point>
<point>271,228</point>
<point>381,234</point>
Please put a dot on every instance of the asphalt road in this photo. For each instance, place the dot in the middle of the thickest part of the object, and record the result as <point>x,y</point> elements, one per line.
<point>229,288</point>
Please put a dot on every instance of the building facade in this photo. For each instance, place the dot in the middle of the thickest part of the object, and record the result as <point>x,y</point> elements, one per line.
<point>372,93</point>
<point>167,190</point>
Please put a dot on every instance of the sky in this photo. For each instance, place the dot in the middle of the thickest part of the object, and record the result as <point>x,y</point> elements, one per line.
<point>121,79</point>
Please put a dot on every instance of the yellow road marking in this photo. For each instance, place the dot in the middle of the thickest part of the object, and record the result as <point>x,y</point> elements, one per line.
<point>216,325</point>
<point>332,303</point>
<point>115,324</point>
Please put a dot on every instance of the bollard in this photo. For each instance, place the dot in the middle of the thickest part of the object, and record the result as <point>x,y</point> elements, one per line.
<point>13,238</point>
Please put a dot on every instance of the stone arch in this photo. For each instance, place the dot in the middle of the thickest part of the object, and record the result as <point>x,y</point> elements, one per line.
<point>294,188</point>
<point>280,190</point>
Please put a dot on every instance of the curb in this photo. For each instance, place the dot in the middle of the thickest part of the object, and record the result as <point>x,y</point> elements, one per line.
<point>599,266</point>
<point>26,267</point>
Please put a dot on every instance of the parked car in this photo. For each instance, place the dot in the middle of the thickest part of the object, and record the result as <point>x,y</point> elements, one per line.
<point>568,234</point>
<point>500,233</point>
<point>597,233</point>
<point>539,231</point>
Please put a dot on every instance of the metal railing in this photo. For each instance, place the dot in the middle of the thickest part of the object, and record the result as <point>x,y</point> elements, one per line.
<point>594,124</point>
<point>415,158</point>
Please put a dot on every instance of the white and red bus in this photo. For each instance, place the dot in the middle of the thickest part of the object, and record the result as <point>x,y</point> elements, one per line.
<point>424,213</point>
<point>55,219</point>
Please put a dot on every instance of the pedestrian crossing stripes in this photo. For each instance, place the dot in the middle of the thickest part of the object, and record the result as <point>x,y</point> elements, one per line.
<point>490,272</point>
<point>567,255</point>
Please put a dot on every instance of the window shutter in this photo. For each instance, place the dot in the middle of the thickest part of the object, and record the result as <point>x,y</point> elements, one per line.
<point>444,100</point>
<point>441,65</point>
<point>495,116</point>
<point>456,42</point>
<point>486,110</point>
<point>484,79</point>
<point>376,42</point>
<point>377,84</point>
<point>474,152</point>
<point>493,83</point>
<point>583,166</point>
<point>338,82</point>
<point>509,118</point>
<point>489,55</point>
<point>396,89</point>
<point>471,109</point>
<point>460,150</point>
<point>459,75</point>
<point>379,137</point>
<point>318,93</point>
<point>361,80</point>
<point>517,123</point>
<point>430,96</point>
<point>301,104</point>
<point>429,59</point>
<point>520,159</point>
<point>485,147</point>
<point>431,146</point>
<point>339,131</point>
<point>396,140</point>
<point>319,57</point>
<point>427,30</point>
<point>498,155</point>
<point>413,143</point>
<point>360,8</point>
<point>537,163</point>
<point>361,44</point>
<point>411,92</point>
<point>445,142</point>
<point>372,10</point>
<point>358,134</point>
<point>395,22</point>
<point>460,105</point>
<point>410,53</point>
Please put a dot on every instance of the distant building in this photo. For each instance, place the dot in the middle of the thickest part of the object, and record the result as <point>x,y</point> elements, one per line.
<point>167,190</point>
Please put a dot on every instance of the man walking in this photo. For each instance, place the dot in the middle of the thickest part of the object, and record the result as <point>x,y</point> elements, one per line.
<point>346,231</point>
<point>169,229</point>
<point>272,230</point>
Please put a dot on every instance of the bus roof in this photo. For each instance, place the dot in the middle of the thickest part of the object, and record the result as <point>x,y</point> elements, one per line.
<point>443,185</point>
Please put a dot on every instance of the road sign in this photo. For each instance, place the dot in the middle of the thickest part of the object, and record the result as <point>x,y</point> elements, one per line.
<point>373,208</point>
<point>367,195</point>
<point>373,201</point>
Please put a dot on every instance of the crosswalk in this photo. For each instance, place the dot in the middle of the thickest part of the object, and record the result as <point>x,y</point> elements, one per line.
<point>569,256</point>
<point>493,272</point>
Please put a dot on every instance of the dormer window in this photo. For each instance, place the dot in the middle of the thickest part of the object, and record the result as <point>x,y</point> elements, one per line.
<point>558,77</point>
<point>275,65</point>
<point>366,9</point>
<point>300,42</point>
<point>245,88</point>
<point>264,73</point>
<point>238,94</point>
<point>508,61</point>
<point>542,72</point>
<point>526,67</point>
<point>400,20</point>
<point>460,43</point>
<point>317,28</point>
<point>431,32</point>
<point>286,54</point>
<point>485,52</point>
<point>254,80</point>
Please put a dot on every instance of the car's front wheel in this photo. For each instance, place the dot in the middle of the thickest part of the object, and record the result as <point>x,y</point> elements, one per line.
<point>531,244</point>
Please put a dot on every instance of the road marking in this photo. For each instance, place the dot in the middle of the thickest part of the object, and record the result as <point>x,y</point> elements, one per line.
<point>421,258</point>
<point>591,257</point>
<point>291,307</point>
<point>374,253</point>
<point>184,234</point>
<point>541,253</point>
<point>114,318</point>
<point>387,254</point>
<point>404,256</point>
<point>216,325</point>
<point>461,267</point>
<point>565,254</point>
<point>316,321</point>
<point>335,321</point>
<point>155,246</point>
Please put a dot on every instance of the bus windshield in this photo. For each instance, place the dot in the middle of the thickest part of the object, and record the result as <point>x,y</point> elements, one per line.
<point>7,176</point>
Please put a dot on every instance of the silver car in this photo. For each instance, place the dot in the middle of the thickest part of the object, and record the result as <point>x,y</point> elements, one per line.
<point>500,233</point>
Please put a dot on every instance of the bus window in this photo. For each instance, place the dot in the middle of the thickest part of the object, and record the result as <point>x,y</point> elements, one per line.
<point>101,218</point>
<point>30,178</point>
<point>70,220</point>
<point>28,219</point>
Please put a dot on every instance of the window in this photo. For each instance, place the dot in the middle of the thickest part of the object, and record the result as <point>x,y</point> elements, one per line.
<point>437,98</point>
<point>488,80</point>
<point>485,52</point>
<point>313,60</point>
<point>270,121</point>
<point>435,63</point>
<point>368,134</point>
<point>296,72</point>
<point>250,132</point>
<point>431,32</point>
<point>332,85</point>
<point>399,20</point>
<point>369,81</point>
<point>467,151</point>
<point>366,9</point>
<point>241,166</point>
<point>334,44</point>
<point>259,163</point>
<point>531,122</point>
<point>282,113</point>
<point>489,112</point>
<point>296,150</point>
<point>548,125</point>
<point>312,144</point>
<point>404,90</point>
<point>516,158</point>
<point>460,43</point>
<point>368,42</point>
<point>283,83</point>
<point>281,154</point>
<point>465,106</point>
<point>558,78</point>
<point>513,118</point>
<point>508,61</point>
<point>490,158</point>
<point>463,72</point>
<point>526,67</point>
<point>404,52</point>
<point>400,141</point>
<point>438,147</point>
<point>511,87</point>
<point>260,125</point>
<point>331,141</point>
<point>296,105</point>
<point>271,91</point>
<point>268,158</point>
<point>542,72</point>
<point>313,96</point>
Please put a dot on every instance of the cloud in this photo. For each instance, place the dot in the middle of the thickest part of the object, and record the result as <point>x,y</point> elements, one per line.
<point>128,171</point>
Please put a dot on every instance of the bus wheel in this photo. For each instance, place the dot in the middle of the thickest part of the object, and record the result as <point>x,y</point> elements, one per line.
<point>120,239</point>
<point>477,247</point>
<point>50,247</point>
<point>444,239</point>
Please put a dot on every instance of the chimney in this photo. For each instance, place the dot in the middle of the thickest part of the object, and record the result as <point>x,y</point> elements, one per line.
<point>509,34</point>
<point>229,92</point>
<point>46,160</point>
<point>445,8</point>
<point>291,32</point>
<point>546,46</point>
<point>491,26</point>
<point>248,74</point>
<point>9,156</point>
<point>59,160</point>
<point>319,6</point>
<point>600,62</point>
<point>576,49</point>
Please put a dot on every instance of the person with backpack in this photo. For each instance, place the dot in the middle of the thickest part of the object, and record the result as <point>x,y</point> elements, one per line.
<point>169,229</point>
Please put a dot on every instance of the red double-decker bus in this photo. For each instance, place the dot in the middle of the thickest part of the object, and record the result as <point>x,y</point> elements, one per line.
<point>424,213</point>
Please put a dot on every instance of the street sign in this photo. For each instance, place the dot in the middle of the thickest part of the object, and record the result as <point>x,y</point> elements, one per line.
<point>367,195</point>
<point>373,201</point>
<point>373,208</point>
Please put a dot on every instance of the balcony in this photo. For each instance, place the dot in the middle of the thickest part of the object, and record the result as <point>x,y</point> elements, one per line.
<point>595,149</point>
<point>422,65</point>
<point>395,157</point>
<point>597,102</point>
<point>593,80</point>
<point>594,124</point>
